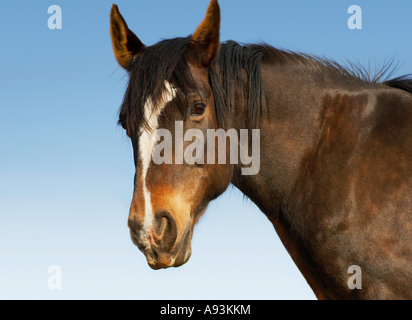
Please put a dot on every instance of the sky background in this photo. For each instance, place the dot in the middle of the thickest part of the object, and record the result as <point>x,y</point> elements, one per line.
<point>66,168</point>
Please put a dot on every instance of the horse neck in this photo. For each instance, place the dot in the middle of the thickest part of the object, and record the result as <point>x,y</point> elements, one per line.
<point>290,126</point>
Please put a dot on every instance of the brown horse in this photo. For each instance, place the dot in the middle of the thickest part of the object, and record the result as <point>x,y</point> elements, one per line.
<point>335,170</point>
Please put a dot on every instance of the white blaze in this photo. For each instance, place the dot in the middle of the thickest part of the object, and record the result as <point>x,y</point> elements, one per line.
<point>146,144</point>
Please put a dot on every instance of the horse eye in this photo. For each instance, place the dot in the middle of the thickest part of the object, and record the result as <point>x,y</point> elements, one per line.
<point>198,109</point>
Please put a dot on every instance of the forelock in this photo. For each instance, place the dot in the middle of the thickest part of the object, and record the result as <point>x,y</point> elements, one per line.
<point>150,71</point>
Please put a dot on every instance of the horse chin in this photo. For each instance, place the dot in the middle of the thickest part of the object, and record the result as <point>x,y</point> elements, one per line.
<point>178,257</point>
<point>166,261</point>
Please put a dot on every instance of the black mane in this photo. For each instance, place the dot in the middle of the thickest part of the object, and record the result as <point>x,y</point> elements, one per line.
<point>166,61</point>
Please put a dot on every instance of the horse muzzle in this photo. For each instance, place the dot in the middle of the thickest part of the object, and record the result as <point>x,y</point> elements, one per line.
<point>161,243</point>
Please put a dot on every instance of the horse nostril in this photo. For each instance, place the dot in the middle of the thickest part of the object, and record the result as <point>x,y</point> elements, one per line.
<point>166,229</point>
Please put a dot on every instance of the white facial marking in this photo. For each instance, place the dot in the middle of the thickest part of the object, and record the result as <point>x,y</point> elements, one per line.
<point>146,144</point>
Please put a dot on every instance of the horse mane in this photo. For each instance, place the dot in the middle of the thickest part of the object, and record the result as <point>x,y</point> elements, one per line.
<point>235,65</point>
<point>403,83</point>
<point>165,61</point>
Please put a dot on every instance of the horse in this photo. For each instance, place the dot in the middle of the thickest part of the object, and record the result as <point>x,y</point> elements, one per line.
<point>335,173</point>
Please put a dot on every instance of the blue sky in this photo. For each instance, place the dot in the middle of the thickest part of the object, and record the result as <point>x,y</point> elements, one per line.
<point>66,168</point>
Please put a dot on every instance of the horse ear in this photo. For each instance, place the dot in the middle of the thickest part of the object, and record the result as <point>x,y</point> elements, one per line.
<point>125,43</point>
<point>205,41</point>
